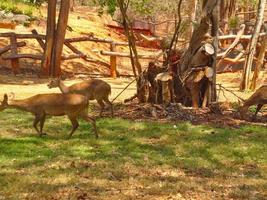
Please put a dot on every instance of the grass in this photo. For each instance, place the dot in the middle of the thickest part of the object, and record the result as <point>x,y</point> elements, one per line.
<point>130,160</point>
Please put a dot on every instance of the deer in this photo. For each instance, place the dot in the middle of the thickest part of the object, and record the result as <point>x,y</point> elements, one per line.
<point>54,104</point>
<point>258,98</point>
<point>92,89</point>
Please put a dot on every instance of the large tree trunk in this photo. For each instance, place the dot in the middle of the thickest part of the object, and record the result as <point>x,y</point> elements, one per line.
<point>194,57</point>
<point>252,47</point>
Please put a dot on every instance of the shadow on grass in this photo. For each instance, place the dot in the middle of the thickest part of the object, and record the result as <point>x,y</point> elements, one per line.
<point>199,151</point>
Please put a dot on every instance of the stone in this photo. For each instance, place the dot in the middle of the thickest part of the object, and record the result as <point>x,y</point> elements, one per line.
<point>21,18</point>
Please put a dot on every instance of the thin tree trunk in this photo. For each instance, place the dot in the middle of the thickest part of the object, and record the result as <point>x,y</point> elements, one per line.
<point>259,64</point>
<point>60,36</point>
<point>252,48</point>
<point>214,34</point>
<point>50,32</point>
<point>133,51</point>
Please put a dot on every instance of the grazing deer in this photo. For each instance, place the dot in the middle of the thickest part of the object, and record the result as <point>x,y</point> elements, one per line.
<point>93,89</point>
<point>41,105</point>
<point>259,98</point>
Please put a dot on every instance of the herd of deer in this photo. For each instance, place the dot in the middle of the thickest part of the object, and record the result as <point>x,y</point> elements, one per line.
<point>73,101</point>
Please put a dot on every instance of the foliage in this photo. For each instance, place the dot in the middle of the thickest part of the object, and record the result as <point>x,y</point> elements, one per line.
<point>160,158</point>
<point>233,22</point>
<point>109,4</point>
<point>17,7</point>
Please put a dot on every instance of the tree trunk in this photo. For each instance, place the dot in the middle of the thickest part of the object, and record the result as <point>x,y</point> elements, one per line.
<point>260,62</point>
<point>194,56</point>
<point>252,48</point>
<point>60,36</point>
<point>72,4</point>
<point>131,40</point>
<point>214,34</point>
<point>50,32</point>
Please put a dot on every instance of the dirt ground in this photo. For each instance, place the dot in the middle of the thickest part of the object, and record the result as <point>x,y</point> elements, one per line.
<point>24,87</point>
<point>86,21</point>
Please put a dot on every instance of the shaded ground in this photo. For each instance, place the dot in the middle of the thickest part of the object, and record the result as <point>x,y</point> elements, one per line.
<point>131,160</point>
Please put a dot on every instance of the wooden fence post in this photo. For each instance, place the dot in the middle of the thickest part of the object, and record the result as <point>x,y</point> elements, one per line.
<point>113,61</point>
<point>14,51</point>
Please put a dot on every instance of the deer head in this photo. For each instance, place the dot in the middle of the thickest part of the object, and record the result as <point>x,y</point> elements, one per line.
<point>54,83</point>
<point>4,103</point>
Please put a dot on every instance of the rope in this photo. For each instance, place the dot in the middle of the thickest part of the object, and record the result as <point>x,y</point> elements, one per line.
<point>222,88</point>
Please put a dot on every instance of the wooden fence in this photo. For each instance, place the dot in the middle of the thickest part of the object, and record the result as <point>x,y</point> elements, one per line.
<point>14,56</point>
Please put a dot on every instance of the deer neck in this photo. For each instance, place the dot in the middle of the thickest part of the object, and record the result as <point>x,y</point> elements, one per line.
<point>63,88</point>
<point>19,104</point>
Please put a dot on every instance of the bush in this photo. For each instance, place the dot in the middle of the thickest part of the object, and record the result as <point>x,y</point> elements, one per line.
<point>233,22</point>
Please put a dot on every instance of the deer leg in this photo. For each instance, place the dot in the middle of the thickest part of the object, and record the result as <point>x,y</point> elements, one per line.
<point>42,121</point>
<point>74,123</point>
<point>35,122</point>
<point>257,110</point>
<point>102,105</point>
<point>110,105</point>
<point>92,121</point>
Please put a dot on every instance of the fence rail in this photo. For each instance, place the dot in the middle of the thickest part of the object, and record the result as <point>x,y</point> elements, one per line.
<point>14,56</point>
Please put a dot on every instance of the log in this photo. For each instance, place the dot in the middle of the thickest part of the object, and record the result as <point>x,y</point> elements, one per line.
<point>233,45</point>
<point>7,48</point>
<point>23,36</point>
<point>40,57</point>
<point>74,56</point>
<point>127,55</point>
<point>40,41</point>
<point>17,56</point>
<point>243,37</point>
<point>88,38</point>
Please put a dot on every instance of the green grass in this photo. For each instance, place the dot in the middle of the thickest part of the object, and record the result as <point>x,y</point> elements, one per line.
<point>130,159</point>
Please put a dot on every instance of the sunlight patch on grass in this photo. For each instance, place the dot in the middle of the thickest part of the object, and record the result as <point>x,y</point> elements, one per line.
<point>158,158</point>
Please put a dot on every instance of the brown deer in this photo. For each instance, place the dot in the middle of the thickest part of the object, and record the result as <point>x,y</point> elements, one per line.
<point>41,105</point>
<point>259,98</point>
<point>93,89</point>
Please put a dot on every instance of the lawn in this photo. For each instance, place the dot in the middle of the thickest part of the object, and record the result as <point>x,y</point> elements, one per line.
<point>130,160</point>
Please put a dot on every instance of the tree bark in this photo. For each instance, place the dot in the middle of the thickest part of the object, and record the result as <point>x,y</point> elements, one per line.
<point>131,40</point>
<point>259,64</point>
<point>214,34</point>
<point>252,47</point>
<point>60,36</point>
<point>50,32</point>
